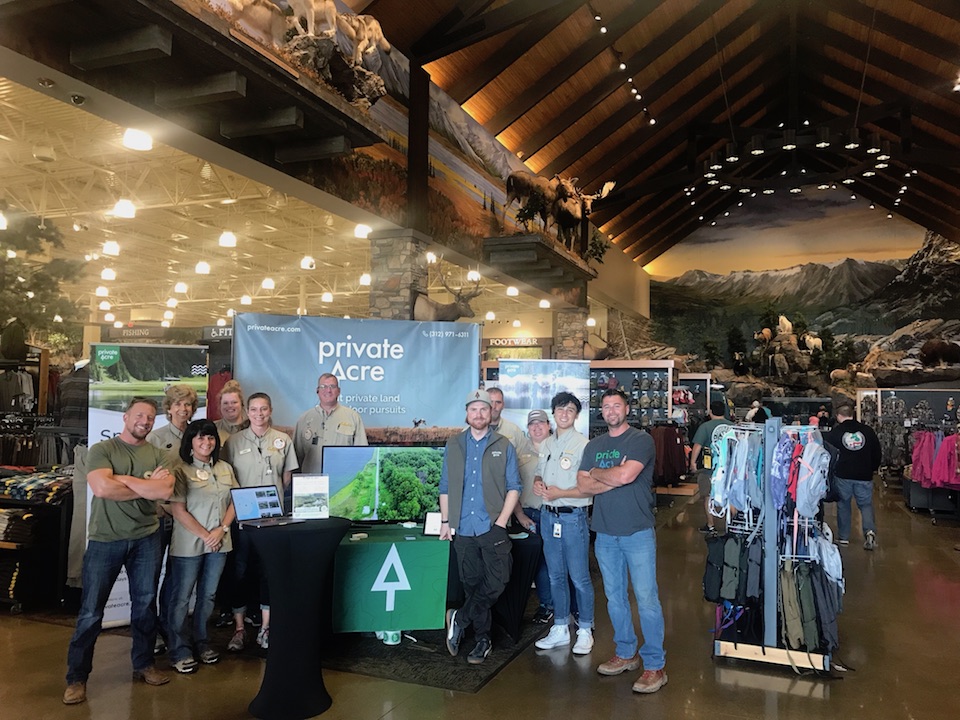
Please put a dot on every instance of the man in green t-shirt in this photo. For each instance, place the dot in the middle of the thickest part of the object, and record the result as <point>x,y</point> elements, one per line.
<point>702,440</point>
<point>127,477</point>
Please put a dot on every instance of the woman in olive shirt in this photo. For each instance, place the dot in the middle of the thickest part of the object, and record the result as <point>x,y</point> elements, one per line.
<point>203,509</point>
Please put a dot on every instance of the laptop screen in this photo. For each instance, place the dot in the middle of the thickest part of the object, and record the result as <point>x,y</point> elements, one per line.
<point>254,503</point>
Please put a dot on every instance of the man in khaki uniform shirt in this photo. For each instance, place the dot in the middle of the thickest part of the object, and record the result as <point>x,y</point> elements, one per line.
<point>329,423</point>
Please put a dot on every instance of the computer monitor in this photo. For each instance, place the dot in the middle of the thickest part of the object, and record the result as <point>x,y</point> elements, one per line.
<point>394,483</point>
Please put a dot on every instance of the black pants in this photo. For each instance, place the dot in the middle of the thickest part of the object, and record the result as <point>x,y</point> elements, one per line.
<point>484,563</point>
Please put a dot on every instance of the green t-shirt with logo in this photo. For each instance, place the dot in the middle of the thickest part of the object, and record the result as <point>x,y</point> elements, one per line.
<point>123,519</point>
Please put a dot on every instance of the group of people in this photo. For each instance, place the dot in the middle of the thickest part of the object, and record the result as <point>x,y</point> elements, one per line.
<point>169,488</point>
<point>481,487</point>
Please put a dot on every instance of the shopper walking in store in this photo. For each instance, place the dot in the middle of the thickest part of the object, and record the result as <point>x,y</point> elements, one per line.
<point>528,509</point>
<point>617,470</point>
<point>127,477</point>
<point>564,527</point>
<point>203,510</point>
<point>260,455</point>
<point>479,490</point>
<point>859,459</point>
<point>700,458</point>
<point>329,423</point>
<point>233,415</point>
<point>179,405</point>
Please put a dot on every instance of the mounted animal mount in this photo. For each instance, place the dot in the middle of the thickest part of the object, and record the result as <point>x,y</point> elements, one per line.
<point>427,310</point>
<point>525,187</point>
<point>568,213</point>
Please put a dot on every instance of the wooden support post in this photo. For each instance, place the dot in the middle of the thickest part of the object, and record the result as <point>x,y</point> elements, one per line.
<point>417,150</point>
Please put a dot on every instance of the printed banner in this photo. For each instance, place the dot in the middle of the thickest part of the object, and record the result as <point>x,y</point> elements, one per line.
<point>531,384</point>
<point>393,372</point>
<point>118,373</point>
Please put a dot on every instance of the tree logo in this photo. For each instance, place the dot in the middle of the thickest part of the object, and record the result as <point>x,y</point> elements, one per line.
<point>391,582</point>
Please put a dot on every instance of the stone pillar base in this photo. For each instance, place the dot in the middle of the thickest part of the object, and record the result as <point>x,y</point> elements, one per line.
<point>398,272</point>
<point>570,333</point>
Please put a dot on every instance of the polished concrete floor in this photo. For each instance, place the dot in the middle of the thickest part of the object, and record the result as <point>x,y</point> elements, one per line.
<point>900,631</point>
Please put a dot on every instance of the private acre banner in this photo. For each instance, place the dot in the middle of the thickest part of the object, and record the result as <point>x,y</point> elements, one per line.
<point>392,372</point>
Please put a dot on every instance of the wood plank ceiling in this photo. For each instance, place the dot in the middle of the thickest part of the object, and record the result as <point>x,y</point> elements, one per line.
<point>713,80</point>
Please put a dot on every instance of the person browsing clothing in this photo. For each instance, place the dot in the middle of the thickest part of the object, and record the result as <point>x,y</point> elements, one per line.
<point>617,470</point>
<point>203,510</point>
<point>329,423</point>
<point>479,489</point>
<point>564,527</point>
<point>127,477</point>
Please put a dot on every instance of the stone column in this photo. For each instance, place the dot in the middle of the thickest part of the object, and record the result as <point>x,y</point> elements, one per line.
<point>570,332</point>
<point>398,272</point>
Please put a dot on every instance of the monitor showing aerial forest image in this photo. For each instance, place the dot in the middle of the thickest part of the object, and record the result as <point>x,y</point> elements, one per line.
<point>387,483</point>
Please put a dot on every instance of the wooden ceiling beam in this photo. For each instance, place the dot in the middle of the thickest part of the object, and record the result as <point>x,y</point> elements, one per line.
<point>662,141</point>
<point>708,87</point>
<point>469,84</point>
<point>656,49</point>
<point>471,30</point>
<point>313,150</point>
<point>212,88</point>
<point>278,121</point>
<point>569,65</point>
<point>147,43</point>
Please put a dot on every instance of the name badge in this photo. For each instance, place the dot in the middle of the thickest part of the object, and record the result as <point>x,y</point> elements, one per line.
<point>278,443</point>
<point>566,463</point>
<point>315,440</point>
<point>345,429</point>
<point>244,452</point>
<point>203,475</point>
<point>557,530</point>
<point>496,453</point>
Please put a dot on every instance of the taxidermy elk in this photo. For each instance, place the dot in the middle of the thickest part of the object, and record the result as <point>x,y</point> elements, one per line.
<point>427,310</point>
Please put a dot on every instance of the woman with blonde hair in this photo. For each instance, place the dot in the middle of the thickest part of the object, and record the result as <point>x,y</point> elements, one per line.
<point>233,415</point>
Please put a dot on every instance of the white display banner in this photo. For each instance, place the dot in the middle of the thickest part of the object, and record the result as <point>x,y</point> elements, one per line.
<point>117,374</point>
<point>531,384</point>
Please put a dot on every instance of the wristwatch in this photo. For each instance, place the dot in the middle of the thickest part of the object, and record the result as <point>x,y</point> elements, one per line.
<point>225,528</point>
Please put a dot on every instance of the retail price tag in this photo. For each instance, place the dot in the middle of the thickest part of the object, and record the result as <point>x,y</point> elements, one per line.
<point>557,530</point>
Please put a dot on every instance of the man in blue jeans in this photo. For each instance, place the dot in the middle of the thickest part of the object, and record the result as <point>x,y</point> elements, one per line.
<point>617,470</point>
<point>126,476</point>
<point>859,458</point>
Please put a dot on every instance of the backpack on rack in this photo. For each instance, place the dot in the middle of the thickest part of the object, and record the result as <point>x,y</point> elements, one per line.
<point>713,573</point>
<point>812,479</point>
<point>780,470</point>
<point>826,596</point>
<point>791,626</point>
<point>808,607</point>
<point>730,579</point>
<point>831,495</point>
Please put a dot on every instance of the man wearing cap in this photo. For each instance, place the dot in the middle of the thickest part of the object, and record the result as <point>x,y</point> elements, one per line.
<point>564,527</point>
<point>528,509</point>
<point>479,490</point>
<point>329,423</point>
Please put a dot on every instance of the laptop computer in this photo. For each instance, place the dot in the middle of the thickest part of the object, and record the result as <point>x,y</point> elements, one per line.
<point>259,506</point>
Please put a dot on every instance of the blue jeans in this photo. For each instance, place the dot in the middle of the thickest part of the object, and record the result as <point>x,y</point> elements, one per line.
<point>101,566</point>
<point>542,579</point>
<point>202,571</point>
<point>637,554</point>
<point>569,555</point>
<point>862,490</point>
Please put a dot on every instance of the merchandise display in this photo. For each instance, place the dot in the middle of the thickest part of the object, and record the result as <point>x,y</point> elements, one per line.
<point>648,385</point>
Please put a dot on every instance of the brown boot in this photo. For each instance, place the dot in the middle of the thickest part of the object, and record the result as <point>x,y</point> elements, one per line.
<point>75,693</point>
<point>151,676</point>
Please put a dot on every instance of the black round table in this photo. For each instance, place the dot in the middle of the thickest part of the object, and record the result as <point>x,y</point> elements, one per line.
<point>298,561</point>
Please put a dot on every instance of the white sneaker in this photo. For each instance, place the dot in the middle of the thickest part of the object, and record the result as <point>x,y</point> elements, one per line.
<point>558,636</point>
<point>584,642</point>
<point>263,638</point>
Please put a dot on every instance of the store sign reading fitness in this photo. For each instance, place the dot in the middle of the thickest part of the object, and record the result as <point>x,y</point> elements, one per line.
<point>392,372</point>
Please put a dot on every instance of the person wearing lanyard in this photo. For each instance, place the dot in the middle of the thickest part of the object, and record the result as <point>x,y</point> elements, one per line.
<point>479,489</point>
<point>203,510</point>
<point>564,526</point>
<point>329,423</point>
<point>260,455</point>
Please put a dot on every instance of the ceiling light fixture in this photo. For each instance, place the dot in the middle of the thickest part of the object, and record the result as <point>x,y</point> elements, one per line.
<point>246,300</point>
<point>308,263</point>
<point>108,274</point>
<point>165,323</point>
<point>3,221</point>
<point>591,322</point>
<point>168,314</point>
<point>268,284</point>
<point>853,139</point>
<point>491,315</point>
<point>124,208</point>
<point>137,140</point>
<point>790,139</point>
<point>117,324</point>
<point>172,302</point>
<point>544,304</point>
<point>101,291</point>
<point>180,287</point>
<point>431,258</point>
<point>884,150</point>
<point>873,146</point>
<point>327,297</point>
<point>732,155</point>
<point>473,276</point>
<point>714,162</point>
<point>512,291</point>
<point>104,305</point>
<point>57,318</point>
<point>823,137</point>
<point>516,323</point>
<point>231,312</point>
<point>756,145</point>
<point>109,317</point>
<point>111,247</point>
<point>202,268</point>
<point>362,231</point>
<point>221,322</point>
<point>227,239</point>
<point>365,279</point>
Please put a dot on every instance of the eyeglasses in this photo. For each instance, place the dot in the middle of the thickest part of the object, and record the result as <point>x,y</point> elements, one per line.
<point>328,387</point>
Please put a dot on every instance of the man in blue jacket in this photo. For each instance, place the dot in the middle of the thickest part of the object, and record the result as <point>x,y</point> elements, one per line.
<point>479,489</point>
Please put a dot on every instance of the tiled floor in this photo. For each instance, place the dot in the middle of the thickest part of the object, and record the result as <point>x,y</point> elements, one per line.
<point>900,631</point>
